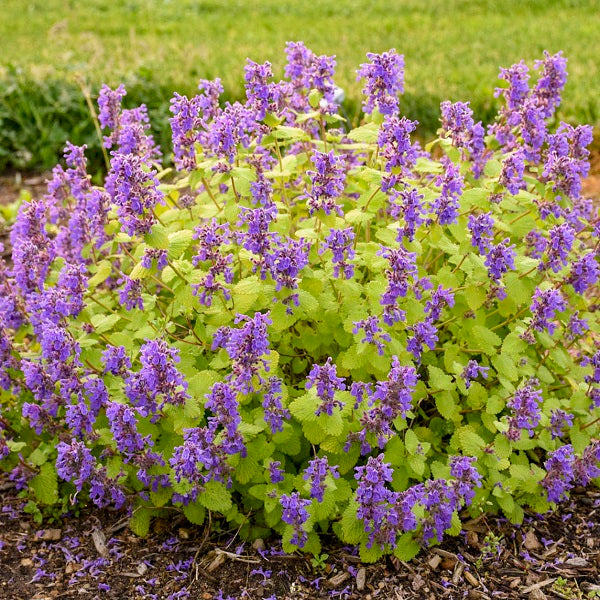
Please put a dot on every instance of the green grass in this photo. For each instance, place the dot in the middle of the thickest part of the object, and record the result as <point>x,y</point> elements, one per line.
<point>452,48</point>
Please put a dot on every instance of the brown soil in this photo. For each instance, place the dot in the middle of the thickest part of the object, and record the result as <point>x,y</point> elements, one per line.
<point>93,555</point>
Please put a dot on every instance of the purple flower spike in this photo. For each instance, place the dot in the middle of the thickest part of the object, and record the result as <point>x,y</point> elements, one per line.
<point>384,81</point>
<point>526,412</point>
<point>295,514</point>
<point>315,473</point>
<point>327,383</point>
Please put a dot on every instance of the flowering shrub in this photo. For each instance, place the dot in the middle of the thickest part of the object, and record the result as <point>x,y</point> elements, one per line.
<point>309,329</point>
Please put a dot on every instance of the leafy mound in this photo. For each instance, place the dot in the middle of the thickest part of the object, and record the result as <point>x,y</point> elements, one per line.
<point>305,328</point>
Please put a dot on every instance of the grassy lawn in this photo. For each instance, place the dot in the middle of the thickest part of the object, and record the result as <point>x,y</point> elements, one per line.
<point>453,48</point>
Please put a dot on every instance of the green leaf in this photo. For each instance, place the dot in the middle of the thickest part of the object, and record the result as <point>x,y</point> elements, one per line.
<point>475,296</point>
<point>485,339</point>
<point>104,323</point>
<point>407,547</point>
<point>283,132</point>
<point>103,270</point>
<point>367,134</point>
<point>195,513</point>
<point>138,272</point>
<point>438,380</point>
<point>447,407</point>
<point>140,521</point>
<point>158,237</point>
<point>179,242</point>
<point>471,443</point>
<point>304,408</point>
<point>215,497</point>
<point>45,484</point>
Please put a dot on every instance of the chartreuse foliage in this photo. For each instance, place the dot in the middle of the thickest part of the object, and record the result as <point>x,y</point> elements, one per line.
<point>307,329</point>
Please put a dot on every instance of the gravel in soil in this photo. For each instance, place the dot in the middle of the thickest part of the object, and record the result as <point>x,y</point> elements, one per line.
<point>93,555</point>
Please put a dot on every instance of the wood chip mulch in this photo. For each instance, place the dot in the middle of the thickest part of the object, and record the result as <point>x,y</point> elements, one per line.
<point>94,556</point>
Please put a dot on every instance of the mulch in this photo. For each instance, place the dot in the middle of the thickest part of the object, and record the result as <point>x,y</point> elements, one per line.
<point>93,555</point>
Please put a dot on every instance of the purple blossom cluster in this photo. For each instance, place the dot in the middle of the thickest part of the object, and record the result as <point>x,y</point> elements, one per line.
<point>340,241</point>
<point>458,124</point>
<point>295,514</point>
<point>386,513</point>
<point>327,182</point>
<point>246,347</point>
<point>212,238</point>
<point>472,371</point>
<point>134,189</point>
<point>384,81</point>
<point>324,378</point>
<point>545,304</point>
<point>158,382</point>
<point>526,411</point>
<point>315,473</point>
<point>373,332</point>
<point>400,275</point>
<point>389,400</point>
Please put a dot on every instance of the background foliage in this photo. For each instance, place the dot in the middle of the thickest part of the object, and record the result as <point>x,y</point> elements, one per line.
<point>452,50</point>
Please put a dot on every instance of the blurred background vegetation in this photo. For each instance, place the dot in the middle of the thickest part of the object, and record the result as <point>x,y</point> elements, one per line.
<point>452,48</point>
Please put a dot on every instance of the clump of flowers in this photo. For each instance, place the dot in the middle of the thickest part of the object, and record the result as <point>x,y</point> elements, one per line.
<point>305,327</point>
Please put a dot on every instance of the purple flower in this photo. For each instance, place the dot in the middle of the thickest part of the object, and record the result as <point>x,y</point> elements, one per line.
<point>440,298</point>
<point>587,467</point>
<point>327,181</point>
<point>115,360</point>
<point>500,259</point>
<point>559,419</point>
<point>306,72</point>
<point>513,168</point>
<point>576,326</point>
<point>458,123</point>
<point>396,148</point>
<point>560,242</point>
<point>559,476</point>
<point>315,473</point>
<point>408,205</point>
<point>371,328</point>
<point>384,80</point>
<point>546,94</point>
<point>482,231</point>
<point>340,241</point>
<point>109,102</point>
<point>447,205</point>
<point>295,514</point>
<point>424,333</point>
<point>134,189</point>
<point>123,424</point>
<point>526,413</point>
<point>584,272</point>
<point>130,295</point>
<point>391,399</point>
<point>185,124</point>
<point>465,476</point>
<point>154,254</point>
<point>246,347</point>
<point>284,262</point>
<point>276,473</point>
<point>473,371</point>
<point>384,513</point>
<point>234,126</point>
<point>158,382</point>
<point>543,308</point>
<point>75,463</point>
<point>222,401</point>
<point>402,270</point>
<point>325,379</point>
<point>274,411</point>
